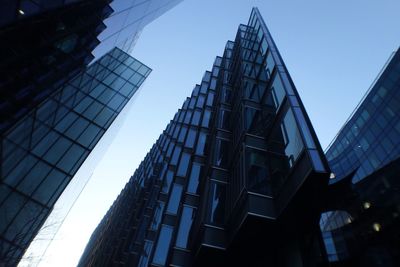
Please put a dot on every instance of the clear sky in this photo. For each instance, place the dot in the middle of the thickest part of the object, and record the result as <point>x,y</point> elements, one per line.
<point>332,49</point>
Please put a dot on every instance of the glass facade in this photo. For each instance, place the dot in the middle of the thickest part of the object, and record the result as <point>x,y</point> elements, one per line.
<point>53,108</point>
<point>232,160</point>
<point>361,225</point>
<point>43,151</point>
<point>45,43</point>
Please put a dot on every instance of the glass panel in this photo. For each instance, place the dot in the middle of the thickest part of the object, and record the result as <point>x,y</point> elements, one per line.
<point>194,178</point>
<point>221,153</point>
<point>49,186</point>
<point>217,203</point>
<point>292,138</point>
<point>223,119</point>
<point>157,215</point>
<point>278,92</point>
<point>34,177</point>
<point>183,165</point>
<point>196,118</point>
<point>258,179</point>
<point>162,248</point>
<point>200,101</point>
<point>167,181</point>
<point>175,156</point>
<point>175,199</point>
<point>206,118</point>
<point>184,226</point>
<point>144,257</point>
<point>191,138</point>
<point>57,150</point>
<point>182,134</point>
<point>71,158</point>
<point>201,144</point>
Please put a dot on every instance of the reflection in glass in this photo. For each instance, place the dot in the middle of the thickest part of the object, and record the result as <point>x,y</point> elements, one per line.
<point>174,199</point>
<point>162,248</point>
<point>183,164</point>
<point>157,215</point>
<point>144,257</point>
<point>194,178</point>
<point>217,203</point>
<point>184,226</point>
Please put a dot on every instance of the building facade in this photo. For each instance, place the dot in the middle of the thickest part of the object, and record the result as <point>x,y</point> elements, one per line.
<point>43,151</point>
<point>234,179</point>
<point>46,47</point>
<point>361,226</point>
<point>45,43</point>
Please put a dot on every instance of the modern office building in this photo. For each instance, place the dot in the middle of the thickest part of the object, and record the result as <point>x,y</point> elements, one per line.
<point>43,151</point>
<point>362,224</point>
<point>234,179</point>
<point>45,43</point>
<point>45,48</point>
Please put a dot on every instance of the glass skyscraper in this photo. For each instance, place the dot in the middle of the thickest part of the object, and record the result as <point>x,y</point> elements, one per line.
<point>362,224</point>
<point>43,151</point>
<point>45,43</point>
<point>53,107</point>
<point>232,179</point>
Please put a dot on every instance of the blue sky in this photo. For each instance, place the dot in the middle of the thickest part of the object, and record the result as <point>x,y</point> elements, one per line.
<point>332,49</point>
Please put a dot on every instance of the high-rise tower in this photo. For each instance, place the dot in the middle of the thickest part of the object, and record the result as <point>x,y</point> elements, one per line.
<point>235,179</point>
<point>362,224</point>
<point>56,100</point>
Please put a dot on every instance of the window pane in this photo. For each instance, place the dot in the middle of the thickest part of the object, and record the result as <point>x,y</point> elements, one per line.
<point>183,165</point>
<point>162,248</point>
<point>221,153</point>
<point>258,179</point>
<point>175,156</point>
<point>206,118</point>
<point>175,199</point>
<point>157,215</point>
<point>167,181</point>
<point>292,138</point>
<point>278,92</point>
<point>194,178</point>
<point>184,227</point>
<point>182,134</point>
<point>144,257</point>
<point>201,144</point>
<point>196,118</point>
<point>217,203</point>
<point>191,138</point>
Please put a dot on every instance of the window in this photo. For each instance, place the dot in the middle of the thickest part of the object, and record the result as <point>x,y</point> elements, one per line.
<point>162,248</point>
<point>216,203</point>
<point>175,156</point>
<point>182,134</point>
<point>258,179</point>
<point>194,178</point>
<point>221,151</point>
<point>196,118</point>
<point>174,199</point>
<point>191,138</point>
<point>188,116</point>
<point>183,164</point>
<point>223,119</point>
<point>167,182</point>
<point>184,226</point>
<point>210,99</point>
<point>157,215</point>
<point>291,136</point>
<point>144,257</point>
<point>278,92</point>
<point>206,118</point>
<point>200,101</point>
<point>201,143</point>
